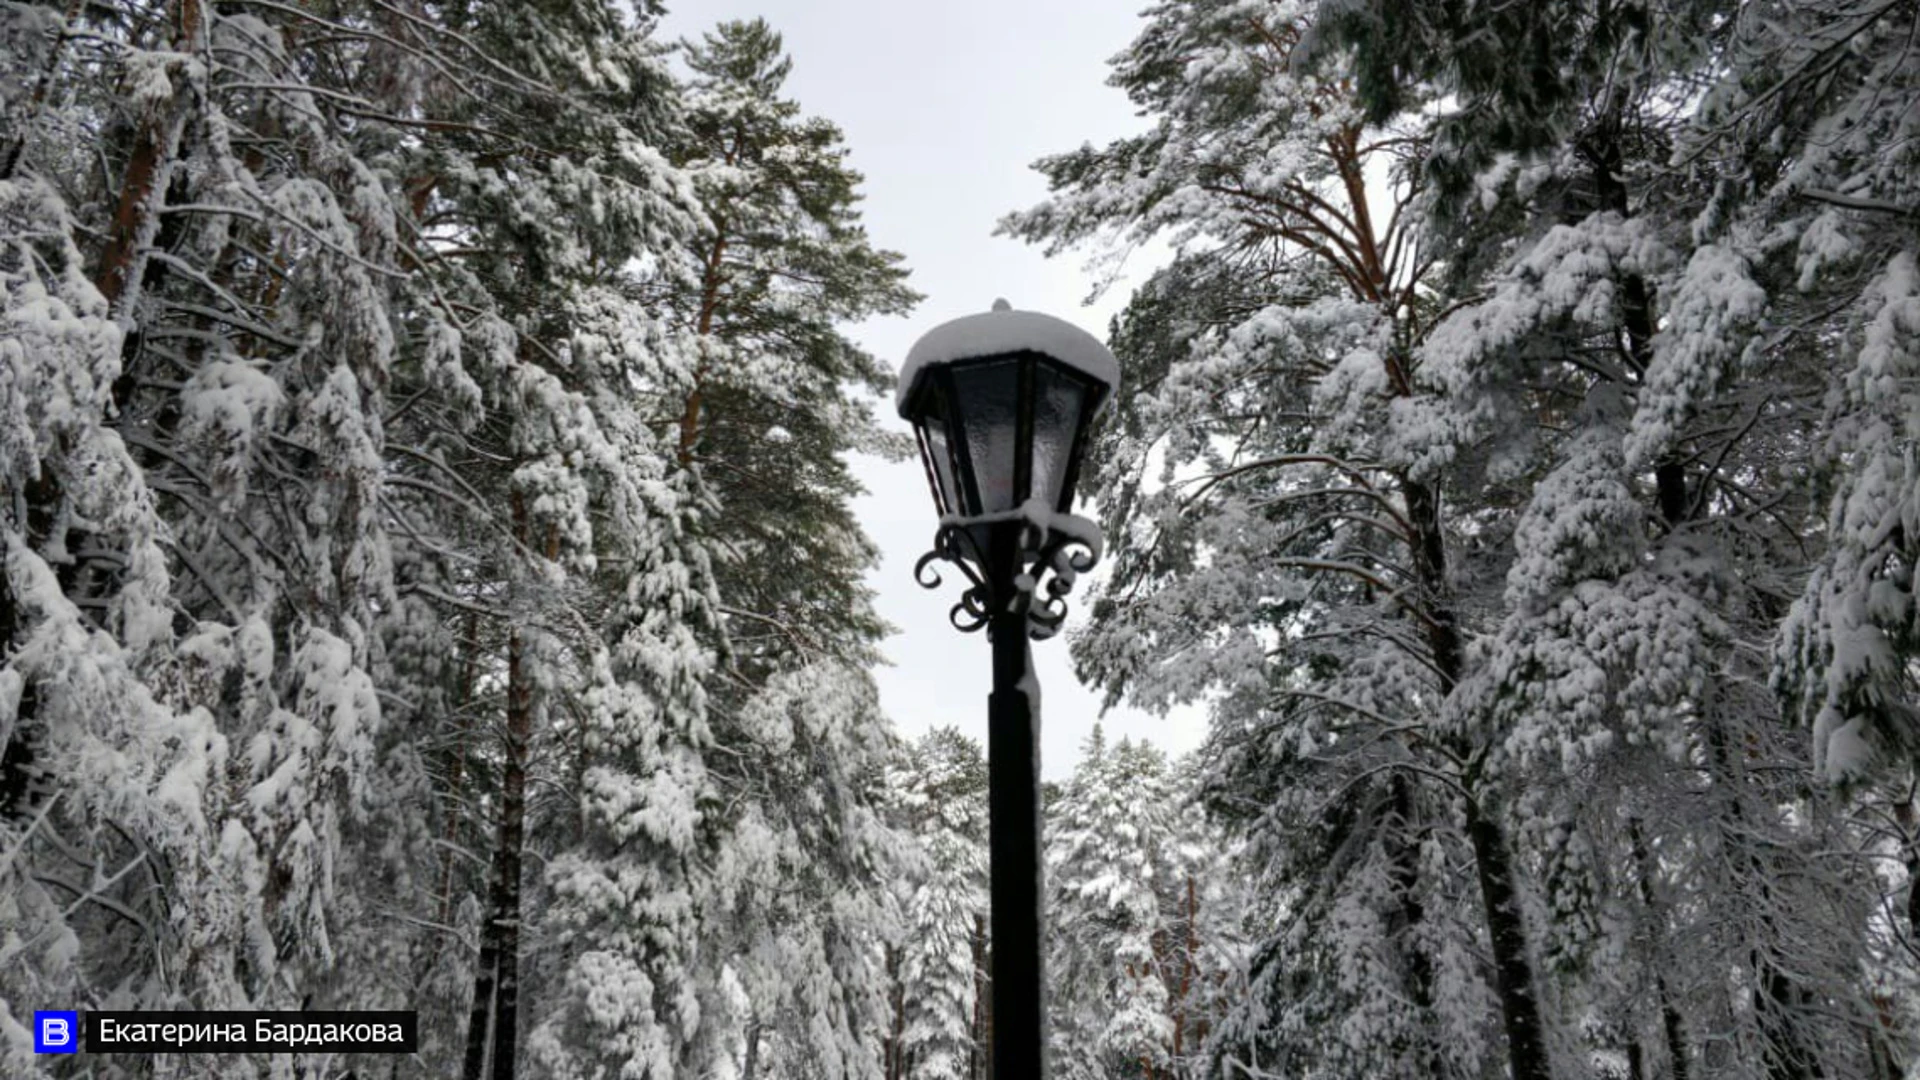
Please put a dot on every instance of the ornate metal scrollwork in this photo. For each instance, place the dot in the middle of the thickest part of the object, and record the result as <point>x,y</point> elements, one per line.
<point>1050,561</point>
<point>954,544</point>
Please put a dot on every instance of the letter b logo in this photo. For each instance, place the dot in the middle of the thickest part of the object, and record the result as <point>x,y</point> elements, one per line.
<point>56,1032</point>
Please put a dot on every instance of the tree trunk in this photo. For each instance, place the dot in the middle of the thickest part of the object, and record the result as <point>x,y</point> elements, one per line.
<point>1500,907</point>
<point>1403,869</point>
<point>1787,1057</point>
<point>751,1067</point>
<point>480,1017</point>
<point>890,1051</point>
<point>980,1032</point>
<point>513,814</point>
<point>1513,970</point>
<point>1602,149</point>
<point>496,986</point>
<point>711,278</point>
<point>457,764</point>
<point>1183,996</point>
<point>1670,1027</point>
<point>136,214</point>
<point>10,152</point>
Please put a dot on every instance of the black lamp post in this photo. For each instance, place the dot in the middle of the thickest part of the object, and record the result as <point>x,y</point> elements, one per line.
<point>1001,403</point>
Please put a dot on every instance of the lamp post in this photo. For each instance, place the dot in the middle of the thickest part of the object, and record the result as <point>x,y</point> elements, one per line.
<point>1001,404</point>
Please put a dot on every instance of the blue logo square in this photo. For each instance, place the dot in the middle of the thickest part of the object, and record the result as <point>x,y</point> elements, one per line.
<point>56,1032</point>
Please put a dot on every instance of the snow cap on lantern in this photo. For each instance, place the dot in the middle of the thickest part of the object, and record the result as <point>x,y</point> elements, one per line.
<point>1001,403</point>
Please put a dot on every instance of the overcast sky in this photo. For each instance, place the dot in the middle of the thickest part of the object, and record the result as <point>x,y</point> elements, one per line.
<point>945,106</point>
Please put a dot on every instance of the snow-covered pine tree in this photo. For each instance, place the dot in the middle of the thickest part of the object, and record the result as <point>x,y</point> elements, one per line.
<point>1826,110</point>
<point>295,228</point>
<point>1213,912</point>
<point>102,780</point>
<point>1819,114</point>
<point>780,394</point>
<point>1105,858</point>
<point>803,893</point>
<point>937,968</point>
<point>1644,241</point>
<point>1142,919</point>
<point>347,466</point>
<point>582,606</point>
<point>1285,551</point>
<point>1644,337</point>
<point>777,397</point>
<point>250,340</point>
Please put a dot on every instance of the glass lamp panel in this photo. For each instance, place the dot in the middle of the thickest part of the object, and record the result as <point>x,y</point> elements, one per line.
<point>988,396</point>
<point>1058,399</point>
<point>936,432</point>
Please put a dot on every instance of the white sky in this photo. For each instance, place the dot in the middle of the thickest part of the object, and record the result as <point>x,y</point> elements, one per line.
<point>945,106</point>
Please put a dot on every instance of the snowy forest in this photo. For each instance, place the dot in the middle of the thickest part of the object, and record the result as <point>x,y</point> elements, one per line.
<point>431,580</point>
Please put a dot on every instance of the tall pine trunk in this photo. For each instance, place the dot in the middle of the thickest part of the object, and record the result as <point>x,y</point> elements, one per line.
<point>457,762</point>
<point>136,216</point>
<point>712,276</point>
<point>893,1048</point>
<point>492,1026</point>
<point>1512,968</point>
<point>1499,899</point>
<point>980,1031</point>
<point>751,1068</point>
<point>1403,869</point>
<point>1670,1027</point>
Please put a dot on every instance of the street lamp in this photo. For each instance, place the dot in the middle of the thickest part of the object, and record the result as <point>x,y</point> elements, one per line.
<point>1001,404</point>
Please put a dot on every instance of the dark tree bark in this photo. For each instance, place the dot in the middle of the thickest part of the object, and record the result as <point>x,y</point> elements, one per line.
<point>1512,968</point>
<point>136,213</point>
<point>981,1029</point>
<point>492,1026</point>
<point>893,1050</point>
<point>1506,927</point>
<point>1403,857</point>
<point>513,815</point>
<point>751,1068</point>
<point>457,761</point>
<point>1670,1027</point>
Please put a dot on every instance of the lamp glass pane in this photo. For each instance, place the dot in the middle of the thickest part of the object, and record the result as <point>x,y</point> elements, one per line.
<point>936,430</point>
<point>1057,401</point>
<point>988,394</point>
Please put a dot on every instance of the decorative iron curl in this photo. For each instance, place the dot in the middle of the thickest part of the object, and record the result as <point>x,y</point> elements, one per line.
<point>1051,560</point>
<point>954,544</point>
<point>1062,560</point>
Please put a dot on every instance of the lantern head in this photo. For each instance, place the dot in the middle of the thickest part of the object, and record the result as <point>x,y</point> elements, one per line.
<point>1001,404</point>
